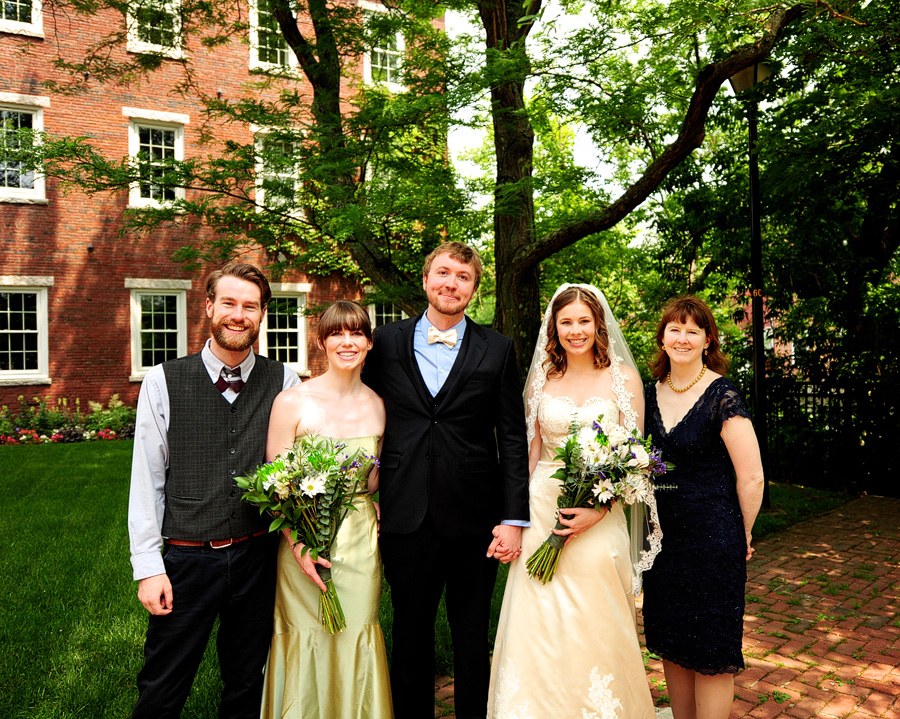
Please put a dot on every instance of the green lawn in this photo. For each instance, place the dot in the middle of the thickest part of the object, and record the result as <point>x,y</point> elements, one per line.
<point>71,628</point>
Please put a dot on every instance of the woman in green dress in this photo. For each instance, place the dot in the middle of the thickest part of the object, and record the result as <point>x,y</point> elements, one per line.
<point>311,673</point>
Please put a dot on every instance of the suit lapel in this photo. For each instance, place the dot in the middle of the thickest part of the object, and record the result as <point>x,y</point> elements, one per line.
<point>474,345</point>
<point>408,359</point>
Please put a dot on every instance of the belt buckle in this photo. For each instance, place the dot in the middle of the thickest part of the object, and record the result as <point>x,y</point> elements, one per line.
<point>218,543</point>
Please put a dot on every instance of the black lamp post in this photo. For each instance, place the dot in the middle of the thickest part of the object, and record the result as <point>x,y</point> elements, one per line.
<point>745,80</point>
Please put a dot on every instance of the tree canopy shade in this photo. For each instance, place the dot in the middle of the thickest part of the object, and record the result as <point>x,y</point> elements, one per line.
<point>830,180</point>
<point>357,176</point>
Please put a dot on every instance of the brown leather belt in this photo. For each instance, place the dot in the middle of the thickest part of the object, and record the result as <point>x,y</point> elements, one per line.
<point>215,543</point>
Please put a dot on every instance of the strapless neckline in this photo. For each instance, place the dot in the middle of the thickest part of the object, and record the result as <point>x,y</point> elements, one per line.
<point>592,398</point>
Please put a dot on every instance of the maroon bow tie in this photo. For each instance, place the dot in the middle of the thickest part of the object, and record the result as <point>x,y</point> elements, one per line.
<point>230,378</point>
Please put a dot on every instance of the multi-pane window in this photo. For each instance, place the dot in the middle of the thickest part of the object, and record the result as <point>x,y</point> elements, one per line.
<point>16,10</point>
<point>155,148</point>
<point>158,322</point>
<point>276,178</point>
<point>269,48</point>
<point>23,330</point>
<point>283,332</point>
<point>271,44</point>
<point>21,122</point>
<point>22,17</point>
<point>383,314</point>
<point>157,22</point>
<point>19,331</point>
<point>154,26</point>
<point>282,329</point>
<point>386,60</point>
<point>383,64</point>
<point>159,328</point>
<point>12,123</point>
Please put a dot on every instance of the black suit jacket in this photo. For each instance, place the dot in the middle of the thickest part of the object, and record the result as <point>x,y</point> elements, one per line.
<point>461,455</point>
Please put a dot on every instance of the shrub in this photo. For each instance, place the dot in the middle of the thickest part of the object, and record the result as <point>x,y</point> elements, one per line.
<point>36,423</point>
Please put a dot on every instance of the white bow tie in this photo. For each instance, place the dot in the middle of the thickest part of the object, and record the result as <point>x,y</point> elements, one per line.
<point>448,338</point>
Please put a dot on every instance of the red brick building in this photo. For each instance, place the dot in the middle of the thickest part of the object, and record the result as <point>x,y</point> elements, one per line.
<point>85,311</point>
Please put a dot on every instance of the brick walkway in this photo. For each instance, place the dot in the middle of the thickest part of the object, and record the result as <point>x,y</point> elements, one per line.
<point>822,628</point>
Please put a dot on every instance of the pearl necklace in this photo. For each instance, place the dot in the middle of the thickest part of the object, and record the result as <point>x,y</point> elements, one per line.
<point>685,389</point>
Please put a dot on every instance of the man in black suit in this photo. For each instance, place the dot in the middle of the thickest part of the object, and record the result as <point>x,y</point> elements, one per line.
<point>453,479</point>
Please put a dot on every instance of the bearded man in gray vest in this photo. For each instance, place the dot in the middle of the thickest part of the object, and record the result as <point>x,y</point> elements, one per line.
<point>198,551</point>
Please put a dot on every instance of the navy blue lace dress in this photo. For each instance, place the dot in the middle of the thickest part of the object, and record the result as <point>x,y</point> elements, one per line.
<point>694,594</point>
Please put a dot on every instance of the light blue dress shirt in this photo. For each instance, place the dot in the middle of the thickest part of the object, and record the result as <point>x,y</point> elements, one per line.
<point>435,360</point>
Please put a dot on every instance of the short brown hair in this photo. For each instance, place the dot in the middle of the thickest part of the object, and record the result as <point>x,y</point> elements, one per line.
<point>556,362</point>
<point>682,309</point>
<point>243,271</point>
<point>343,315</point>
<point>460,252</point>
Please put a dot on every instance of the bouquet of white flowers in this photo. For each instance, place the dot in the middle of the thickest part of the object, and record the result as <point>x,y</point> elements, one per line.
<point>601,464</point>
<point>310,490</point>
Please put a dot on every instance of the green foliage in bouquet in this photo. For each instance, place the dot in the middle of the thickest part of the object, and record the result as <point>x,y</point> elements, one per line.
<point>601,463</point>
<point>309,490</point>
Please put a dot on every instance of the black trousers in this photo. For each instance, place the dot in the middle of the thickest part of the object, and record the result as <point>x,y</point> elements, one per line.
<point>418,566</point>
<point>237,584</point>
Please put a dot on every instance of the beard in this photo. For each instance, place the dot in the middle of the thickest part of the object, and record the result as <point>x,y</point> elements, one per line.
<point>446,306</point>
<point>234,344</point>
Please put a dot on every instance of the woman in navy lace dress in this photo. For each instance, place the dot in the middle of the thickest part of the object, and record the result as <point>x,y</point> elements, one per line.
<point>694,594</point>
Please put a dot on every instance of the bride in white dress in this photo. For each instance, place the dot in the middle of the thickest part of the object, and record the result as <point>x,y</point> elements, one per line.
<point>569,648</point>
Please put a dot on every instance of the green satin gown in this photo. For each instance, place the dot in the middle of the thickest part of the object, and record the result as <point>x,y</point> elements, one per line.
<point>311,674</point>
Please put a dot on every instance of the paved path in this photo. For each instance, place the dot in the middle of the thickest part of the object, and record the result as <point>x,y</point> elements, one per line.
<point>822,628</point>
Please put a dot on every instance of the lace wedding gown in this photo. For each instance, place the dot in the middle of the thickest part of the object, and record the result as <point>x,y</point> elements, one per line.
<point>311,673</point>
<point>569,648</point>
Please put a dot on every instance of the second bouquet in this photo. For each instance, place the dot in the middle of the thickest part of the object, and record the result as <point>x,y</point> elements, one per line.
<point>309,490</point>
<point>602,463</point>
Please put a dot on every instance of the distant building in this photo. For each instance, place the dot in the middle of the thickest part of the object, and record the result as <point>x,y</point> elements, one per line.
<point>85,311</point>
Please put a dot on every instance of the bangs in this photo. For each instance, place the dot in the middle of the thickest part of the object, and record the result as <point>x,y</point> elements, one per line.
<point>344,315</point>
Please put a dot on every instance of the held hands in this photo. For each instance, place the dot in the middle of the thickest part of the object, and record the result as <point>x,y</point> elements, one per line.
<point>155,594</point>
<point>308,566</point>
<point>507,543</point>
<point>578,520</point>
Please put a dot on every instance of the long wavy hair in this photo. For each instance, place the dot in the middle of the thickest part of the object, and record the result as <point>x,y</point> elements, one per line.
<point>556,363</point>
<point>682,309</point>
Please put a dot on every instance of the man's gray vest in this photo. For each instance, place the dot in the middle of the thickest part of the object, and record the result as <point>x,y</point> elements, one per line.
<point>210,443</point>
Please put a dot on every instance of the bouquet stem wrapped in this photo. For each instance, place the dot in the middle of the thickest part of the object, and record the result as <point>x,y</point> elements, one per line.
<point>330,608</point>
<point>542,564</point>
<point>309,490</point>
<point>602,463</point>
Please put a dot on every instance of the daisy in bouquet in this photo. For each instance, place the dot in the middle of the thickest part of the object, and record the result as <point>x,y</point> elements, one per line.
<point>309,490</point>
<point>602,463</point>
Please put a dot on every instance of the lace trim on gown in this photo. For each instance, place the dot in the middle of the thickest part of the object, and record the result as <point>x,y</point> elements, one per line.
<point>600,694</point>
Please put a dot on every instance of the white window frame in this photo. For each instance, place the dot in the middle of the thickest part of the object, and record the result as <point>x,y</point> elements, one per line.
<point>259,138</point>
<point>301,291</point>
<point>35,28</point>
<point>367,6</point>
<point>139,287</point>
<point>292,68</point>
<point>37,285</point>
<point>153,119</point>
<point>136,45</point>
<point>33,104</point>
<point>372,307</point>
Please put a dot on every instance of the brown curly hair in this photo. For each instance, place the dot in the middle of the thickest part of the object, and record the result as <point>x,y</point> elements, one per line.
<point>556,363</point>
<point>682,309</point>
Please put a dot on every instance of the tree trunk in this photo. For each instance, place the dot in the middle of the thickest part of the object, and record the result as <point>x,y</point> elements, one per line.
<point>517,294</point>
